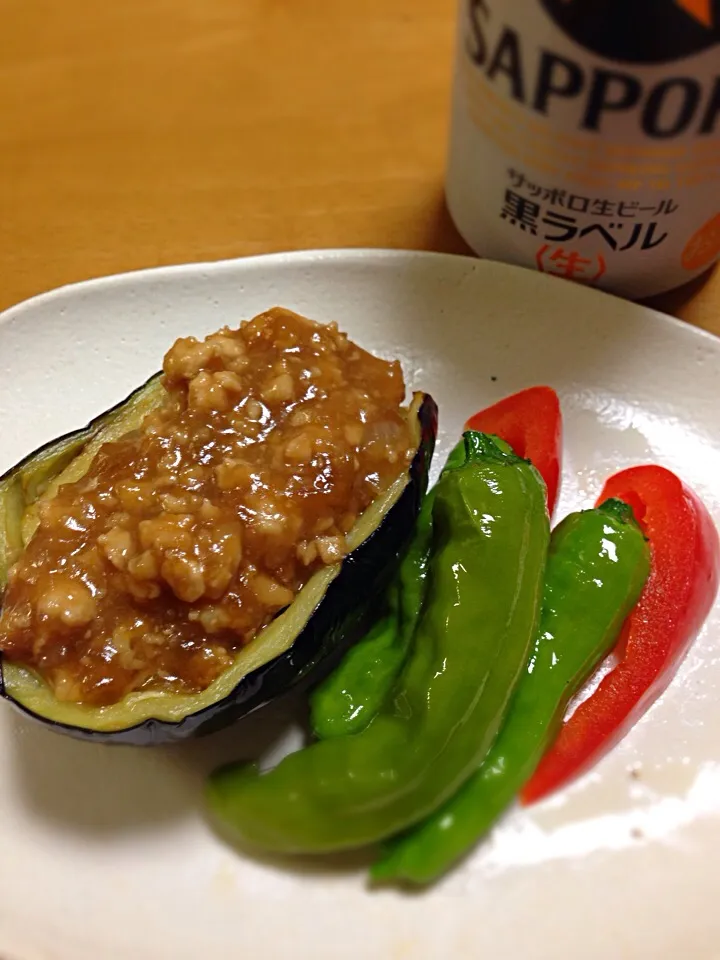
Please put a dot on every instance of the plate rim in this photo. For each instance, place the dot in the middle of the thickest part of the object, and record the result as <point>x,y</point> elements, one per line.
<point>323,255</point>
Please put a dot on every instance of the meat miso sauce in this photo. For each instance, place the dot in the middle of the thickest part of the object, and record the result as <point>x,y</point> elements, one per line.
<point>187,536</point>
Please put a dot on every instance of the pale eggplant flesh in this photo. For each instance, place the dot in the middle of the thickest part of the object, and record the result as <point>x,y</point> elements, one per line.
<point>297,647</point>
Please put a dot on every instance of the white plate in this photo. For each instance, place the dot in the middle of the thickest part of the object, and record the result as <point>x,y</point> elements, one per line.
<point>105,854</point>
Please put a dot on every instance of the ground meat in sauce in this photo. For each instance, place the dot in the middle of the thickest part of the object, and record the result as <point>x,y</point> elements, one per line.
<point>186,537</point>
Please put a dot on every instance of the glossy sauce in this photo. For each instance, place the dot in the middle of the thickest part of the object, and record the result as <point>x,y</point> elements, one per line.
<point>186,537</point>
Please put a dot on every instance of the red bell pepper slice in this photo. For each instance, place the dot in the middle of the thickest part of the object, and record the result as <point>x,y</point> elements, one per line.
<point>531,422</point>
<point>676,600</point>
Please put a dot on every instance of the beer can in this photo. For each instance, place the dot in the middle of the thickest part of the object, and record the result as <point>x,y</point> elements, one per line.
<point>585,138</point>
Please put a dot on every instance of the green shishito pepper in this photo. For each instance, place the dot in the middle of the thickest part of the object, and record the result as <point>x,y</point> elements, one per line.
<point>355,691</point>
<point>490,540</point>
<point>597,566</point>
<point>352,695</point>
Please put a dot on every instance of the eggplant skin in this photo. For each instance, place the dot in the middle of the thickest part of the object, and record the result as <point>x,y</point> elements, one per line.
<point>337,621</point>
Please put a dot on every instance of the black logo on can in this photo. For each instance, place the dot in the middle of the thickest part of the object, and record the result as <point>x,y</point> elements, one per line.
<point>639,31</point>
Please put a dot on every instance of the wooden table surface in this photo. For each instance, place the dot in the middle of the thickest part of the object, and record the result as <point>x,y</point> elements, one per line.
<point>148,132</point>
